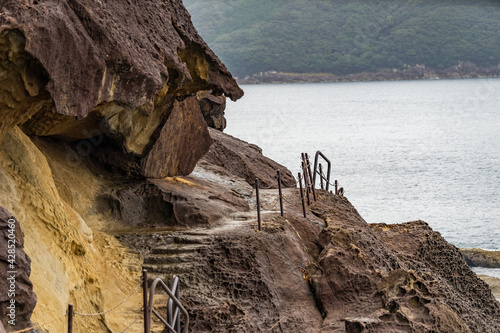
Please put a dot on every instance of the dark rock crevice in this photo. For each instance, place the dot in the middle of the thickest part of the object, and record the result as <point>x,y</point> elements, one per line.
<point>23,81</point>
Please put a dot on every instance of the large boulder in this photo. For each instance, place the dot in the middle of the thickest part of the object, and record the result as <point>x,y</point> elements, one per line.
<point>182,142</point>
<point>78,70</point>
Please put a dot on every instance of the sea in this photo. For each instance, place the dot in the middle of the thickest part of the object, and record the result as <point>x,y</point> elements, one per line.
<point>402,150</point>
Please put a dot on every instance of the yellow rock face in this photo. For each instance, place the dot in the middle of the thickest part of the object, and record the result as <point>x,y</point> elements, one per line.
<point>73,259</point>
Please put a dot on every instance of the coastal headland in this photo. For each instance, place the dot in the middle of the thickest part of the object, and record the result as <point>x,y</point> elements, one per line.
<point>108,167</point>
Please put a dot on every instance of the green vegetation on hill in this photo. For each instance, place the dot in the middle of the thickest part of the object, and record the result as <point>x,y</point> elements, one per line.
<point>348,36</point>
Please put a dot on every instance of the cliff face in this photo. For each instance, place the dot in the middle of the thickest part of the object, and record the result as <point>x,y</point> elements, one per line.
<point>107,165</point>
<point>95,94</point>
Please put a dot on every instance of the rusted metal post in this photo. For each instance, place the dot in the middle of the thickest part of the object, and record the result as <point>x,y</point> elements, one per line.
<point>258,203</point>
<point>280,193</point>
<point>336,187</point>
<point>145,300</point>
<point>302,196</point>
<point>310,177</point>
<point>321,176</point>
<point>70,318</point>
<point>306,184</point>
<point>304,173</point>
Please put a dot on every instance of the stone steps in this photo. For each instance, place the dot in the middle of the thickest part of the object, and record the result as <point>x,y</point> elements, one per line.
<point>177,249</point>
<point>178,254</point>
<point>158,259</point>
<point>172,268</point>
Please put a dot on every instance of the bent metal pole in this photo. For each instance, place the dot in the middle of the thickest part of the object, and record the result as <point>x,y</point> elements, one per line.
<point>306,184</point>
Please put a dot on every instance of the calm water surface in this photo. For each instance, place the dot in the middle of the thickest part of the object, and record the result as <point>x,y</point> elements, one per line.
<point>403,150</point>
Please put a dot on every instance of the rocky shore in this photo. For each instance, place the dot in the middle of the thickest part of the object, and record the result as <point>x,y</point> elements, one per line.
<point>414,73</point>
<point>481,258</point>
<point>112,160</point>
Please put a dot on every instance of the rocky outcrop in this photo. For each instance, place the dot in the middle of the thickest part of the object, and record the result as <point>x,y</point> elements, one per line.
<point>17,299</point>
<point>240,159</point>
<point>102,129</point>
<point>481,258</point>
<point>79,70</point>
<point>407,278</point>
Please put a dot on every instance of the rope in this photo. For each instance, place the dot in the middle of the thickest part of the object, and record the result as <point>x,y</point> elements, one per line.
<point>113,308</point>
<point>273,205</point>
<point>129,326</point>
<point>285,200</point>
<point>40,325</point>
<point>277,323</point>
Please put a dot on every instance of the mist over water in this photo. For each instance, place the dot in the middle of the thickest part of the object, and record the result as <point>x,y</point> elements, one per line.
<point>402,150</point>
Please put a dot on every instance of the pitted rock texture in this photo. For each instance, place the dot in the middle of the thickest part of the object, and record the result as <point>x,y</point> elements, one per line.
<point>11,238</point>
<point>236,157</point>
<point>395,278</point>
<point>467,301</point>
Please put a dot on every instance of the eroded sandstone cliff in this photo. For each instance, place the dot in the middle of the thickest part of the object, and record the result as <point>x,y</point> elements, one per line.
<point>107,165</point>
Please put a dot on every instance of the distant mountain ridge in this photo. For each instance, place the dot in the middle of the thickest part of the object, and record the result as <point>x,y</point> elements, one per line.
<point>345,37</point>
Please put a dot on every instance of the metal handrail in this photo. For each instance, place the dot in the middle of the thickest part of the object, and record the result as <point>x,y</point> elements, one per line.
<point>174,300</point>
<point>175,320</point>
<point>318,153</point>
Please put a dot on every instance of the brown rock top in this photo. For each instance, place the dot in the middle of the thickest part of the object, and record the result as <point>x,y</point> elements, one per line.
<point>79,70</point>
<point>103,51</point>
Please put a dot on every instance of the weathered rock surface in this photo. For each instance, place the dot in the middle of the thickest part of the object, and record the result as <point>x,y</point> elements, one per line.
<point>101,123</point>
<point>97,52</point>
<point>481,258</point>
<point>407,278</point>
<point>78,70</point>
<point>183,141</point>
<point>465,302</point>
<point>244,160</point>
<point>15,269</point>
<point>212,108</point>
<point>72,259</point>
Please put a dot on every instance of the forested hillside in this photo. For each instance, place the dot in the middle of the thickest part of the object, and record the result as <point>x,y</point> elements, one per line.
<point>348,36</point>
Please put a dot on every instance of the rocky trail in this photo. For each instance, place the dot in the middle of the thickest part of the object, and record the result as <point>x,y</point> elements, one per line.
<point>178,251</point>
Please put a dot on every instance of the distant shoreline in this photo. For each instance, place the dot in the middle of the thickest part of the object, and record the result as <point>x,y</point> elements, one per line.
<point>410,74</point>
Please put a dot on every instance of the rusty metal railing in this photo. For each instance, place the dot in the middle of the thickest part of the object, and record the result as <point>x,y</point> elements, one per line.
<point>174,307</point>
<point>327,179</point>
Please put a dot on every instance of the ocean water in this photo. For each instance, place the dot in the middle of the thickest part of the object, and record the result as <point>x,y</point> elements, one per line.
<point>402,150</point>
